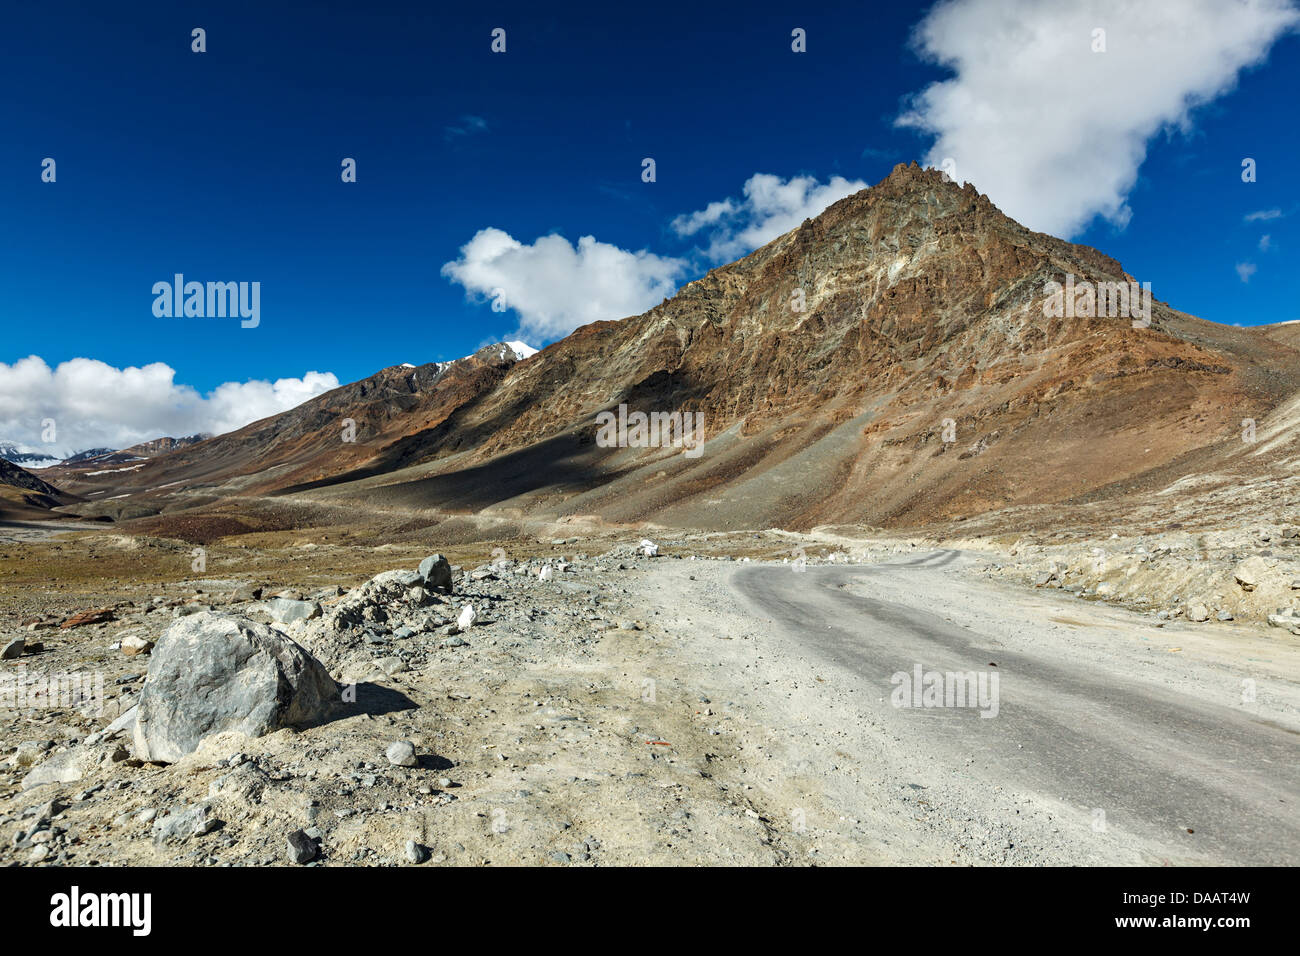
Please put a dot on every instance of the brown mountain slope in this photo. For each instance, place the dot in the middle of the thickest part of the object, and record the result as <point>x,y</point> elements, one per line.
<point>23,496</point>
<point>923,305</point>
<point>306,444</point>
<point>1288,333</point>
<point>15,477</point>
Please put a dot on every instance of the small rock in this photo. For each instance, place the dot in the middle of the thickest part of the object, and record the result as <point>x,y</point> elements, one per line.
<point>416,853</point>
<point>391,665</point>
<point>1250,572</point>
<point>287,610</point>
<point>95,616</point>
<point>302,848</point>
<point>436,572</point>
<point>181,825</point>
<point>46,811</point>
<point>401,753</point>
<point>247,592</point>
<point>134,644</point>
<point>68,767</point>
<point>28,752</point>
<point>1285,618</point>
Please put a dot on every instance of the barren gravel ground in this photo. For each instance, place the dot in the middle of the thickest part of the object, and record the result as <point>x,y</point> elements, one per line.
<point>566,727</point>
<point>672,711</point>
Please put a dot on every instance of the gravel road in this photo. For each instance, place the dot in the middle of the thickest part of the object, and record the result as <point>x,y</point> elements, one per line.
<point>1110,740</point>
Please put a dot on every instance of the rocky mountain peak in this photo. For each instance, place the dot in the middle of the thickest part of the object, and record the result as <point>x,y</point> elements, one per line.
<point>891,360</point>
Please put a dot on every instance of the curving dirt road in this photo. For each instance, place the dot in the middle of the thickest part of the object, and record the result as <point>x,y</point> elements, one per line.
<point>1109,740</point>
<point>1095,730</point>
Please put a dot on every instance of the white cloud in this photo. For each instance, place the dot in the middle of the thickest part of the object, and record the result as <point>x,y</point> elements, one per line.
<point>1245,270</point>
<point>1263,215</point>
<point>556,287</point>
<point>771,206</point>
<point>1265,242</point>
<point>1053,132</point>
<point>95,405</point>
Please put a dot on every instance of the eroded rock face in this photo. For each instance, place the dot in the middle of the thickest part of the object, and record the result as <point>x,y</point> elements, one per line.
<point>214,672</point>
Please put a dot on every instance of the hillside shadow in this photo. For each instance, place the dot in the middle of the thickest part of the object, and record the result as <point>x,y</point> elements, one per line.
<point>570,461</point>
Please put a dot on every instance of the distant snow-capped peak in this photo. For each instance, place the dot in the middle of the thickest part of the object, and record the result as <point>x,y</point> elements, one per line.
<point>518,350</point>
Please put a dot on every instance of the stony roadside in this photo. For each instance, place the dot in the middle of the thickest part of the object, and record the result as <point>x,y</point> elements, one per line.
<point>1247,575</point>
<point>558,727</point>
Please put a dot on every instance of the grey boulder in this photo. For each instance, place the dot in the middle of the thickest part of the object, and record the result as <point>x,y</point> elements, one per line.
<point>401,753</point>
<point>436,572</point>
<point>287,610</point>
<point>301,847</point>
<point>214,672</point>
<point>67,767</point>
<point>194,821</point>
<point>397,579</point>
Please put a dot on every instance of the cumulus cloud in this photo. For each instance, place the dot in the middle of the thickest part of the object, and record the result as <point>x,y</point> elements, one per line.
<point>1245,270</point>
<point>1054,132</point>
<point>554,286</point>
<point>771,206</point>
<point>94,405</point>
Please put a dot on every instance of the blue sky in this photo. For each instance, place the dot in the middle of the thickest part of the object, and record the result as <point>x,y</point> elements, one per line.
<point>225,165</point>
